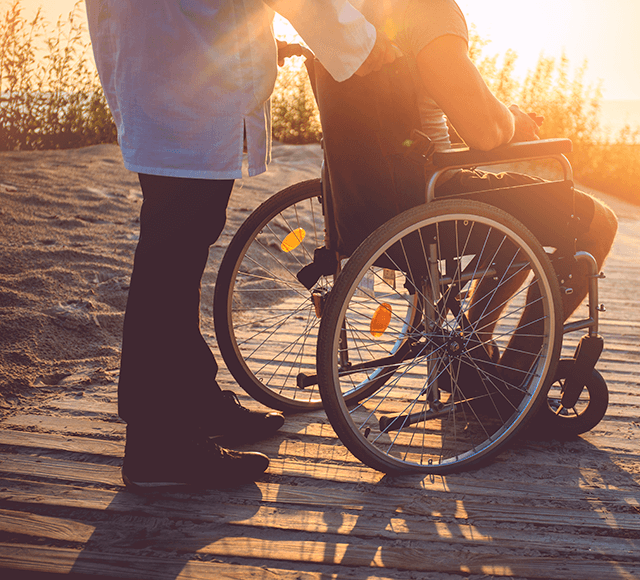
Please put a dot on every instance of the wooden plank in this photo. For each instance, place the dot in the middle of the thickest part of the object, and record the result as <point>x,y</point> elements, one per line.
<point>51,528</point>
<point>43,559</point>
<point>565,459</point>
<point>510,508</point>
<point>450,524</point>
<point>552,516</point>
<point>59,469</point>
<point>311,425</point>
<point>446,498</point>
<point>123,565</point>
<point>540,452</point>
<point>296,426</point>
<point>298,429</point>
<point>569,462</point>
<point>441,496</point>
<point>426,543</point>
<point>300,425</point>
<point>424,557</point>
<point>68,443</point>
<point>67,425</point>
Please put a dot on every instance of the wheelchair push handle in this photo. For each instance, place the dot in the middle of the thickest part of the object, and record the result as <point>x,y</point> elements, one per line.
<point>287,50</point>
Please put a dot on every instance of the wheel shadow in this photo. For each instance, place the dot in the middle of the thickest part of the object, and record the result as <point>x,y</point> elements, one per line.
<point>548,509</point>
<point>543,509</point>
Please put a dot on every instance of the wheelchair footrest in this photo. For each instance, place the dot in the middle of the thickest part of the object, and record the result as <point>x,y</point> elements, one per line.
<point>324,264</point>
<point>303,381</point>
<point>586,357</point>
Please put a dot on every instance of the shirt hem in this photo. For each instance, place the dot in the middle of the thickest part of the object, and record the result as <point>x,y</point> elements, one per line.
<point>186,173</point>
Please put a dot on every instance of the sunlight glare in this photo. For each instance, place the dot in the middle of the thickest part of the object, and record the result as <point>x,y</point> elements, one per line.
<point>284,31</point>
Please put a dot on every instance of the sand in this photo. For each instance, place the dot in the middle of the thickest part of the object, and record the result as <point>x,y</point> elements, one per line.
<point>68,232</point>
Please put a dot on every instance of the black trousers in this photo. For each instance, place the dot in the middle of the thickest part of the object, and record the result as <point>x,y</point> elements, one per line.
<point>168,373</point>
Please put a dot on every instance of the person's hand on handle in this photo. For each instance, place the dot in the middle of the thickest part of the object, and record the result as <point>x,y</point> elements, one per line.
<point>383,52</point>
<point>527,125</point>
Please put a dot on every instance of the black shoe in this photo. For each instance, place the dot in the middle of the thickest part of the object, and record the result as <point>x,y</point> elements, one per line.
<point>196,462</point>
<point>234,423</point>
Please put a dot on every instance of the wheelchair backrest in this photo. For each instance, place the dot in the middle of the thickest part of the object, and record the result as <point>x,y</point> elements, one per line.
<point>367,123</point>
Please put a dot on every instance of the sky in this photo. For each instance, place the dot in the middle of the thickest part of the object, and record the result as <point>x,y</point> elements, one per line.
<point>604,32</point>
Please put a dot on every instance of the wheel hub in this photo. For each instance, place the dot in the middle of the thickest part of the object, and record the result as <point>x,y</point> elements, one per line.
<point>455,346</point>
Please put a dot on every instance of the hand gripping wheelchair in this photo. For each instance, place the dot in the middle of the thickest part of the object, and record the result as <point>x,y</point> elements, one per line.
<point>439,338</point>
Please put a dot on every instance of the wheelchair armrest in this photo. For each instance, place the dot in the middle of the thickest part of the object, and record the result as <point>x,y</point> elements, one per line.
<point>511,152</point>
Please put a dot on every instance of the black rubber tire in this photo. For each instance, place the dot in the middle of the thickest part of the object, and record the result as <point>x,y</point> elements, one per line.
<point>587,413</point>
<point>478,410</point>
<point>257,285</point>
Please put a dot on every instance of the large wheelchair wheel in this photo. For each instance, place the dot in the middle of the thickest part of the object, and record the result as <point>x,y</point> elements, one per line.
<point>265,319</point>
<point>459,377</point>
<point>590,408</point>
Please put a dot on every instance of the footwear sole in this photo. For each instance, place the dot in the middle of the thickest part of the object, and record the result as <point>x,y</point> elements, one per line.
<point>155,486</point>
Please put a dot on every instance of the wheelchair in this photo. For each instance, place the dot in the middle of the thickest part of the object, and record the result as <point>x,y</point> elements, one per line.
<point>433,342</point>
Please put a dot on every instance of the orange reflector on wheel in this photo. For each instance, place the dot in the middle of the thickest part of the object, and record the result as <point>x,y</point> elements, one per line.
<point>293,240</point>
<point>381,319</point>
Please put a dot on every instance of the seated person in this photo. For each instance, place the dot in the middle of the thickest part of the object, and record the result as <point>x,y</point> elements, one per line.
<point>434,36</point>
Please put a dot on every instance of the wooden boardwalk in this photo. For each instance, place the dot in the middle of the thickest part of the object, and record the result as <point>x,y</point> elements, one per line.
<point>542,509</point>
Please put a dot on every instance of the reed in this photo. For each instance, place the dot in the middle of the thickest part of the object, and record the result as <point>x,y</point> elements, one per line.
<point>50,94</point>
<point>571,109</point>
<point>293,106</point>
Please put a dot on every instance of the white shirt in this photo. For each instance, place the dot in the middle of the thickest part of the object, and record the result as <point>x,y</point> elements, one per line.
<point>183,78</point>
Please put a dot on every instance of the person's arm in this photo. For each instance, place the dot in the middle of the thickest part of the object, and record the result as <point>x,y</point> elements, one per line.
<point>455,84</point>
<point>340,37</point>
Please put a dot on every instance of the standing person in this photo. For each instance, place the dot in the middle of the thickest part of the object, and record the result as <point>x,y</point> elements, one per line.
<point>186,81</point>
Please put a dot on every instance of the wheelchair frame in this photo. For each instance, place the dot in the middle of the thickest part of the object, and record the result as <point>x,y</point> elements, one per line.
<point>466,158</point>
<point>339,404</point>
<point>591,345</point>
